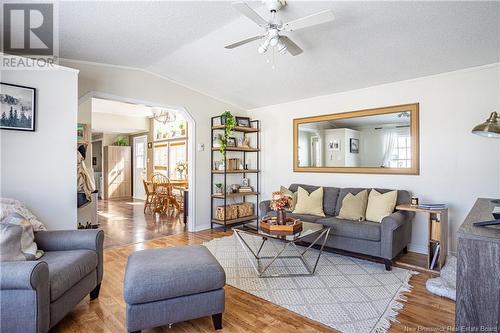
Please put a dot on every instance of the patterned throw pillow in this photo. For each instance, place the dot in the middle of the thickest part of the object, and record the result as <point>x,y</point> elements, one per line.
<point>9,206</point>
<point>17,240</point>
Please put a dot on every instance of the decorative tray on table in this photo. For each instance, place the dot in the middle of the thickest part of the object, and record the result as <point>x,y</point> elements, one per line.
<point>270,225</point>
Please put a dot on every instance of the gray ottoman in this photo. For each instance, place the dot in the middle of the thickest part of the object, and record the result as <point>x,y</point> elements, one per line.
<point>170,285</point>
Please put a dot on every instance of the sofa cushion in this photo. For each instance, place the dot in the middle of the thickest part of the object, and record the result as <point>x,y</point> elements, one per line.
<point>380,205</point>
<point>330,195</point>
<point>67,268</point>
<point>302,217</point>
<point>160,274</point>
<point>360,230</point>
<point>354,206</point>
<point>309,203</point>
<point>402,198</point>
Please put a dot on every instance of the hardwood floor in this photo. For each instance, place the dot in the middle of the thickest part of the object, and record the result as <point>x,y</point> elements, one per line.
<point>124,222</point>
<point>244,312</point>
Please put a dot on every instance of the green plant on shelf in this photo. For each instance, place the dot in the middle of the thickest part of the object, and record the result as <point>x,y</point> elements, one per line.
<point>218,188</point>
<point>229,123</point>
<point>182,127</point>
<point>121,141</point>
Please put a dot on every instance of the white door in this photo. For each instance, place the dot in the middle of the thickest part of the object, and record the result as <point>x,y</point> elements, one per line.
<point>139,165</point>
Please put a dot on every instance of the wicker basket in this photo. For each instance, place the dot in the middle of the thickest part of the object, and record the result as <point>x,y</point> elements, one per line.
<point>231,212</point>
<point>245,209</point>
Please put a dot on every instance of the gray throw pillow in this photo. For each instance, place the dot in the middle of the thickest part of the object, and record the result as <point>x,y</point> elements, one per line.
<point>17,239</point>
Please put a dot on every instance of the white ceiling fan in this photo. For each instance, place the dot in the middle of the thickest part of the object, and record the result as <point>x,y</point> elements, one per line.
<point>274,28</point>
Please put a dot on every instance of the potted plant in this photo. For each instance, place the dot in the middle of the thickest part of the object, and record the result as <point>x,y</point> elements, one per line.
<point>218,188</point>
<point>229,122</point>
<point>182,127</point>
<point>121,141</point>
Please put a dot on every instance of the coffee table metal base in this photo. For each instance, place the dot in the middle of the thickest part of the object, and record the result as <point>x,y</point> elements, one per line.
<point>301,252</point>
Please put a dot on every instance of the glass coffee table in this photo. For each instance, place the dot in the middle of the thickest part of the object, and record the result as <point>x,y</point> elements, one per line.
<point>318,231</point>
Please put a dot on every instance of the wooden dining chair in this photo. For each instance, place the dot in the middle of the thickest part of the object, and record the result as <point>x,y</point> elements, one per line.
<point>163,192</point>
<point>150,196</point>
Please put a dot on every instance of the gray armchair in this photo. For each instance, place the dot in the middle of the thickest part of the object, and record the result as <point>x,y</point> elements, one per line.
<point>36,295</point>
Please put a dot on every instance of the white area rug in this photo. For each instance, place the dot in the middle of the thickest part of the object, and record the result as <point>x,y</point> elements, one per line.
<point>347,294</point>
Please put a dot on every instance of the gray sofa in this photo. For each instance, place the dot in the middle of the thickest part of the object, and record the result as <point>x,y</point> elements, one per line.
<point>383,240</point>
<point>36,295</point>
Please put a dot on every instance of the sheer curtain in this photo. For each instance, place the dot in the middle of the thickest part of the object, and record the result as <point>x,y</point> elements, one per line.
<point>390,142</point>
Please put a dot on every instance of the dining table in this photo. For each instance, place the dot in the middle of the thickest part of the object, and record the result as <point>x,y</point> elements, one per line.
<point>181,185</point>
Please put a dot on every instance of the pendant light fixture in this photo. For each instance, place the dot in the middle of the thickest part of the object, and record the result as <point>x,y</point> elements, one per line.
<point>164,115</point>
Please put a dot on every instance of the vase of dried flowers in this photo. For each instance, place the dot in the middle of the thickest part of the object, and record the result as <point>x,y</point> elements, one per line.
<point>278,203</point>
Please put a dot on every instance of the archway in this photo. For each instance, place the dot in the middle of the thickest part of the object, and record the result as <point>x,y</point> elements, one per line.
<point>191,144</point>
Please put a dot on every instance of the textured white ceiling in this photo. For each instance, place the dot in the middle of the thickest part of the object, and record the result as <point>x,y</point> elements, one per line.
<point>369,43</point>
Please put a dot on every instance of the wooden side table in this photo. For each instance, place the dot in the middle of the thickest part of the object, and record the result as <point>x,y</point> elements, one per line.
<point>439,238</point>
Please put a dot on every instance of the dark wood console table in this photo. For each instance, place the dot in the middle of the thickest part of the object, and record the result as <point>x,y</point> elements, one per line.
<point>478,272</point>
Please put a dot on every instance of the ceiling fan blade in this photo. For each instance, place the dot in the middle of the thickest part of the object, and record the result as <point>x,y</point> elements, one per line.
<point>310,20</point>
<point>242,42</point>
<point>291,47</point>
<point>244,9</point>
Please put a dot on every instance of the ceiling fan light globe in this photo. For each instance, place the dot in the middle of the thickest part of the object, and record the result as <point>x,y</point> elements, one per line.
<point>273,42</point>
<point>262,49</point>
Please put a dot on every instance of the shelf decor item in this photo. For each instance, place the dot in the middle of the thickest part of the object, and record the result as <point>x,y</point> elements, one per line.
<point>245,209</point>
<point>278,203</point>
<point>218,188</point>
<point>243,121</point>
<point>228,212</point>
<point>229,122</point>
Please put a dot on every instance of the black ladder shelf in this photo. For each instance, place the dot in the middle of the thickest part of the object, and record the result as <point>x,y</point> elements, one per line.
<point>253,130</point>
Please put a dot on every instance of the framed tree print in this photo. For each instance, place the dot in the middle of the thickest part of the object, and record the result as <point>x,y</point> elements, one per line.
<point>17,107</point>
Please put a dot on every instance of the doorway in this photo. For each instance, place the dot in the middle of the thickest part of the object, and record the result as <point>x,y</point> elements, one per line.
<point>139,150</point>
<point>315,151</point>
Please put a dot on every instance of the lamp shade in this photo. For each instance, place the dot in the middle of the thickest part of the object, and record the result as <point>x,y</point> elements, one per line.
<point>490,128</point>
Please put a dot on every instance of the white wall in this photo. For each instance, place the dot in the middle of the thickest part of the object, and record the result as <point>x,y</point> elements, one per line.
<point>113,123</point>
<point>141,85</point>
<point>456,166</point>
<point>39,168</point>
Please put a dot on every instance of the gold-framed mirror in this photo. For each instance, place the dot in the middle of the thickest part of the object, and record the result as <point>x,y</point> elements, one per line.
<point>381,140</point>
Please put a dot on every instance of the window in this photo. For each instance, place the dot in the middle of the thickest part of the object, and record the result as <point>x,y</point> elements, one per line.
<point>401,152</point>
<point>167,155</point>
<point>177,154</point>
<point>160,158</point>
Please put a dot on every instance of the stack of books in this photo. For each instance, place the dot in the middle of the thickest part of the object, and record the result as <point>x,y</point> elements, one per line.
<point>432,206</point>
<point>245,189</point>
